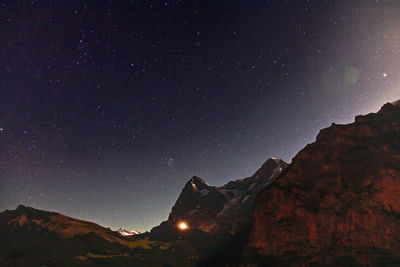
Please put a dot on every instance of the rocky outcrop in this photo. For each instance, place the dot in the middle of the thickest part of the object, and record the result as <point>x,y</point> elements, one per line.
<point>339,200</point>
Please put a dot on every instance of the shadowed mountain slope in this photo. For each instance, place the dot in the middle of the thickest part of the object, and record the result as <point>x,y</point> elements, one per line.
<point>31,237</point>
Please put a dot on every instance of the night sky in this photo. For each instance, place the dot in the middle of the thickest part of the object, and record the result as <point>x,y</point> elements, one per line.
<point>107,108</point>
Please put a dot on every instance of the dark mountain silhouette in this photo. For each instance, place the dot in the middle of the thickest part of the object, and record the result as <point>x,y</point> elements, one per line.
<point>218,217</point>
<point>338,203</point>
<point>220,209</point>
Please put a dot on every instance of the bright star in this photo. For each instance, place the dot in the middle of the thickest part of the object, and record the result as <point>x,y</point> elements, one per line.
<point>170,162</point>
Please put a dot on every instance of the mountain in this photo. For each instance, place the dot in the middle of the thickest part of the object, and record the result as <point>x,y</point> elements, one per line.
<point>32,237</point>
<point>216,217</point>
<point>338,203</point>
<point>125,232</point>
<point>220,209</point>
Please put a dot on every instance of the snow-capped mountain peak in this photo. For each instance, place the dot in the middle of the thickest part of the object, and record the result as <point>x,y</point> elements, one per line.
<point>125,232</point>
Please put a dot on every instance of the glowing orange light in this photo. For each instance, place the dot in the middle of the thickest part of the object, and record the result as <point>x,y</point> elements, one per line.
<point>183,226</point>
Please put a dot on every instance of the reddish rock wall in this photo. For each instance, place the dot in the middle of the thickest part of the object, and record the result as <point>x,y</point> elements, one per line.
<point>339,199</point>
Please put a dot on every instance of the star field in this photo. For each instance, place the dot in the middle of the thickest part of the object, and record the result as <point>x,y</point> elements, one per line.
<point>107,108</point>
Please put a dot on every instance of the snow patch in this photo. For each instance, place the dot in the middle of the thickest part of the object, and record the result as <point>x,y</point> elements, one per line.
<point>278,170</point>
<point>125,232</point>
<point>277,161</point>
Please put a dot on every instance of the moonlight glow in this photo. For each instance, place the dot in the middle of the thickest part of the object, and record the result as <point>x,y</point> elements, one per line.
<point>183,226</point>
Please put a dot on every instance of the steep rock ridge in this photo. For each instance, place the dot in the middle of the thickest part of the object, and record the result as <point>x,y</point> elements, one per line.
<point>339,200</point>
<point>197,203</point>
<point>220,209</point>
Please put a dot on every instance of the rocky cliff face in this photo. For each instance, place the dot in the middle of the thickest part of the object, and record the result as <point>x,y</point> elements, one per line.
<point>220,209</point>
<point>339,200</point>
